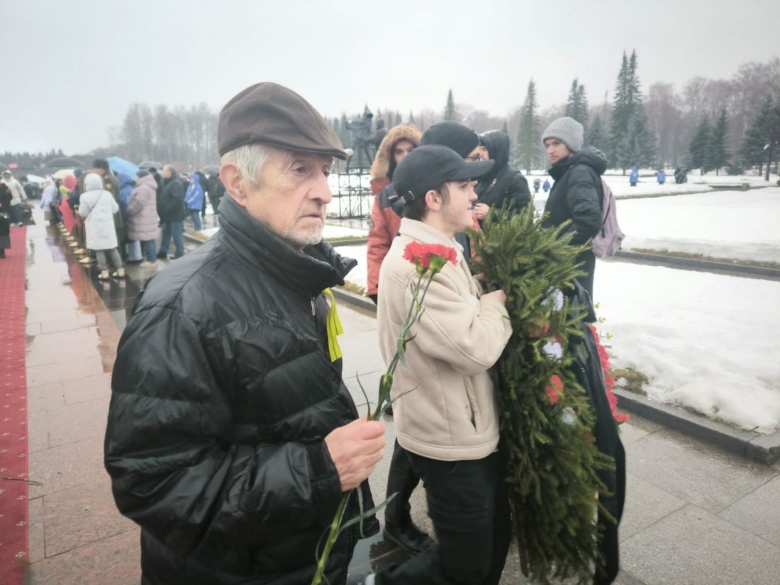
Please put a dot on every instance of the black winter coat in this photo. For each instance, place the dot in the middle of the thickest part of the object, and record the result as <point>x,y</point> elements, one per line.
<point>502,183</point>
<point>170,203</point>
<point>222,393</point>
<point>577,194</point>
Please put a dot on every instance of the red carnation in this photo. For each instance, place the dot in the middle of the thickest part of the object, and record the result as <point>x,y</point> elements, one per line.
<point>433,256</point>
<point>555,388</point>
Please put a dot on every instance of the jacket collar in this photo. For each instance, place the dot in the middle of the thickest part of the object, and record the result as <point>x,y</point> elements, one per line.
<point>311,271</point>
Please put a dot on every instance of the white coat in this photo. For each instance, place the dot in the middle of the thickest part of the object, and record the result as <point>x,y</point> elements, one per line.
<point>98,207</point>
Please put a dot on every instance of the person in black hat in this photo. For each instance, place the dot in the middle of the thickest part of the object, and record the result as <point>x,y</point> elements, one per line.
<point>467,144</point>
<point>448,423</point>
<point>231,435</point>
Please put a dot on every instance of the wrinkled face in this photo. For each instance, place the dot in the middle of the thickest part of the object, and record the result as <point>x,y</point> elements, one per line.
<point>401,149</point>
<point>556,150</point>
<point>457,209</point>
<point>291,196</point>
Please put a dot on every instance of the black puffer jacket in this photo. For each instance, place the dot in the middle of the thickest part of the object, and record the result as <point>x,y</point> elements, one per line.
<point>502,183</point>
<point>170,200</point>
<point>577,194</point>
<point>222,393</point>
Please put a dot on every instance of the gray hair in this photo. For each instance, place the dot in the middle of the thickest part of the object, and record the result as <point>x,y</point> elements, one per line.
<point>249,159</point>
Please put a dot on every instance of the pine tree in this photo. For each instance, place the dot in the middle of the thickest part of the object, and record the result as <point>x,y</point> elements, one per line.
<point>638,146</point>
<point>552,465</point>
<point>582,101</point>
<point>577,104</point>
<point>411,117</point>
<point>528,136</point>
<point>505,128</point>
<point>596,134</point>
<point>628,99</point>
<point>398,119</point>
<point>756,138</point>
<point>716,156</point>
<point>697,151</point>
<point>450,114</point>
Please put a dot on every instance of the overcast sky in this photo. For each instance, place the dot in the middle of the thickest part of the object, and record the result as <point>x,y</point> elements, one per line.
<point>71,68</point>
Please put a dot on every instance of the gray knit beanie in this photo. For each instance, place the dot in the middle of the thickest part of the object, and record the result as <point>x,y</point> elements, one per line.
<point>567,130</point>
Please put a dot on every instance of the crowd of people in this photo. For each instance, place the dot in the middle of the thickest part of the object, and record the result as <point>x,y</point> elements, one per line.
<point>117,217</point>
<point>232,447</point>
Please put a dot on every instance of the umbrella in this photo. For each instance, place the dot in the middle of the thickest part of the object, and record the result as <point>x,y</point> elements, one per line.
<point>64,162</point>
<point>35,179</point>
<point>148,164</point>
<point>211,169</point>
<point>120,165</point>
<point>62,173</point>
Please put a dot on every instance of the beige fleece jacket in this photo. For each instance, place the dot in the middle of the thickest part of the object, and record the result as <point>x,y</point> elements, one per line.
<point>452,412</point>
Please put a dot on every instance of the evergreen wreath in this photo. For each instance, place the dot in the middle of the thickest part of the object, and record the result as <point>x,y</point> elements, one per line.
<point>552,464</point>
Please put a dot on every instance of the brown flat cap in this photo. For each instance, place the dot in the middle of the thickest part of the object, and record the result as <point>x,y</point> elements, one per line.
<point>272,114</point>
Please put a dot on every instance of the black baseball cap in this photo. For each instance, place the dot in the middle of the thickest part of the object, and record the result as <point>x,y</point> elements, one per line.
<point>429,167</point>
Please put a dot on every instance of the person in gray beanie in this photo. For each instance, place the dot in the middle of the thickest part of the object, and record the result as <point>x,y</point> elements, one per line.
<point>577,193</point>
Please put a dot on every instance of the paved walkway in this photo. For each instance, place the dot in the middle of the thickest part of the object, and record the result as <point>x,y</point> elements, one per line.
<point>694,515</point>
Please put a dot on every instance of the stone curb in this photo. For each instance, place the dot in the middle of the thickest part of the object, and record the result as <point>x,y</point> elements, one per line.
<point>761,448</point>
<point>702,265</point>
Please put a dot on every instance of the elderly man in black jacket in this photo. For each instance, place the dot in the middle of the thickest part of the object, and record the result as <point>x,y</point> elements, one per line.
<point>577,193</point>
<point>231,436</point>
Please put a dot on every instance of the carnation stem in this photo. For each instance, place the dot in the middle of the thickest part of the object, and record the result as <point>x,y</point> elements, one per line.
<point>332,536</point>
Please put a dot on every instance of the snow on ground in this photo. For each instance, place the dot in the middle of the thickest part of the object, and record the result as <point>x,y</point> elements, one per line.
<point>740,225</point>
<point>706,341</point>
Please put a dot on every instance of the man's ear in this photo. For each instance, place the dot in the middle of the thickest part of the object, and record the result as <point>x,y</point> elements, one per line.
<point>434,200</point>
<point>233,182</point>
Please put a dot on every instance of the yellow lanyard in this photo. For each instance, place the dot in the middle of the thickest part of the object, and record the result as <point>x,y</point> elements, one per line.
<point>334,328</point>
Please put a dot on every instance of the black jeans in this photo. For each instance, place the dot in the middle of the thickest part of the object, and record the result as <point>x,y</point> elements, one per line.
<point>467,502</point>
<point>402,479</point>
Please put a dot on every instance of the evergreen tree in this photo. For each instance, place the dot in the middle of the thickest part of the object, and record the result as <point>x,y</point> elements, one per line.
<point>449,111</point>
<point>528,136</point>
<point>628,100</point>
<point>577,104</point>
<point>638,146</point>
<point>336,125</point>
<point>596,134</point>
<point>505,128</point>
<point>716,155</point>
<point>398,119</point>
<point>756,138</point>
<point>411,117</point>
<point>697,151</point>
<point>582,101</point>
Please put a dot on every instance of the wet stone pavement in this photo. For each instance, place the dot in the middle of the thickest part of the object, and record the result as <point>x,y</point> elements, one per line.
<point>694,514</point>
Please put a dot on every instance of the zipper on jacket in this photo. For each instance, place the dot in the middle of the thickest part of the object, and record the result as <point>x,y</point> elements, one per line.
<point>313,307</point>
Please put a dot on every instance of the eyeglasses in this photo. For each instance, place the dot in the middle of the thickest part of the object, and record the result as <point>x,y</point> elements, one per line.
<point>473,158</point>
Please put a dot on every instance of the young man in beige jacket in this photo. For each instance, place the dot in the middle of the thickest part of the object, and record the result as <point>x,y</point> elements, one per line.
<point>449,422</point>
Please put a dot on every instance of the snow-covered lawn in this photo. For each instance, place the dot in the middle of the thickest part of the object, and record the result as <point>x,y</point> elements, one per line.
<point>706,341</point>
<point>740,225</point>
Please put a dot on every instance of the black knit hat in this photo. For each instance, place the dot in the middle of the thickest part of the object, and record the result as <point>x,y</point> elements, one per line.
<point>452,135</point>
<point>429,167</point>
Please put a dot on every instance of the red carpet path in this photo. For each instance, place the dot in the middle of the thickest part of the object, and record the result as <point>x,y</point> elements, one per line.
<point>13,413</point>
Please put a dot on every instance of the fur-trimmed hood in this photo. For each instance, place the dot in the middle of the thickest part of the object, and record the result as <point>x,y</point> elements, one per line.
<point>381,167</point>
